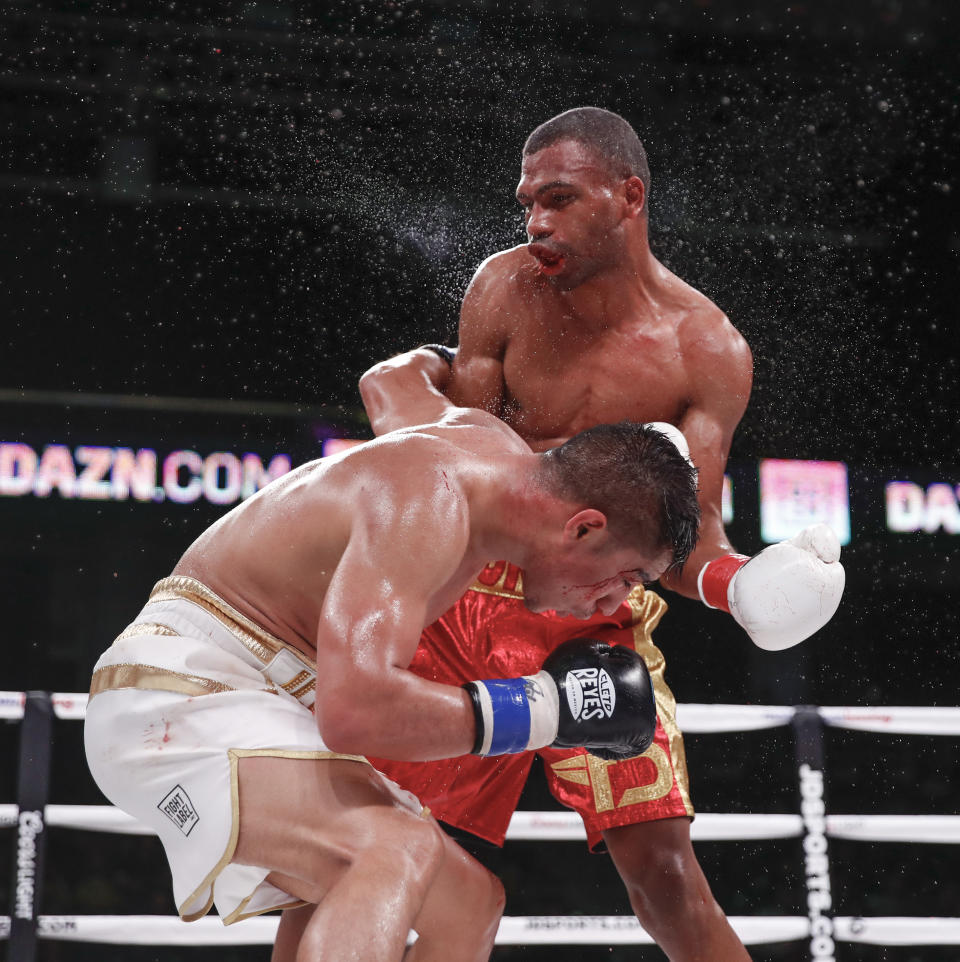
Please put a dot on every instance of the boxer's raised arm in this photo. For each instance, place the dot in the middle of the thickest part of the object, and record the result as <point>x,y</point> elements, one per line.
<point>478,369</point>
<point>413,388</point>
<point>406,390</point>
<point>720,371</point>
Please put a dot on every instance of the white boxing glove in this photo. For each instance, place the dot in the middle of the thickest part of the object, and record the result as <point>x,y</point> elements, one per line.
<point>783,594</point>
<point>675,435</point>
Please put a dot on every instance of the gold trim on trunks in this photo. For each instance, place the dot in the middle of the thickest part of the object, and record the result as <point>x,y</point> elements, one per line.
<point>145,628</point>
<point>304,688</point>
<point>255,638</point>
<point>508,584</point>
<point>207,885</point>
<point>149,677</point>
<point>297,682</point>
<point>648,608</point>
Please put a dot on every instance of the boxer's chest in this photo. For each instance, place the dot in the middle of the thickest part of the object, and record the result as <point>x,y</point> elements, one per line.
<point>557,387</point>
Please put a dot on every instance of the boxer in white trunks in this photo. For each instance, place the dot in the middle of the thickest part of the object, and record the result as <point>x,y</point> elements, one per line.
<point>233,715</point>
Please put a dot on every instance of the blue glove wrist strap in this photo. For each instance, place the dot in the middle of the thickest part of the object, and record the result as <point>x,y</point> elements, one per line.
<point>502,714</point>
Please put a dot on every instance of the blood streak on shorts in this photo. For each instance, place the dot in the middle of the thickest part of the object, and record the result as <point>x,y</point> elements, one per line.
<point>489,633</point>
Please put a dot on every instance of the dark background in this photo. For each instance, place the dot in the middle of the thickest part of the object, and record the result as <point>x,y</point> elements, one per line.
<point>246,204</point>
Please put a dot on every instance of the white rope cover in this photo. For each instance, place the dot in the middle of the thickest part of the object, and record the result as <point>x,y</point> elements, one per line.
<point>515,930</point>
<point>94,818</point>
<point>524,826</point>
<point>626,930</point>
<point>70,705</point>
<point>66,705</point>
<point>692,718</point>
<point>568,827</point>
<point>152,930</point>
<point>703,719</point>
<point>707,827</point>
<point>936,829</point>
<point>11,704</point>
<point>901,930</point>
<point>895,721</point>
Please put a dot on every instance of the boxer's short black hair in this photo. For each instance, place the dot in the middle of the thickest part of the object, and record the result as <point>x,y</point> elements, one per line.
<point>611,137</point>
<point>638,478</point>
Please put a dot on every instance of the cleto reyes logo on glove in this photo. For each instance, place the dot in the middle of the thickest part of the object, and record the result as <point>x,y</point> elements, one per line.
<point>590,693</point>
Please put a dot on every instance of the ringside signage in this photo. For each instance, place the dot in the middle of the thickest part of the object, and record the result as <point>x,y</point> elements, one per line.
<point>914,507</point>
<point>98,473</point>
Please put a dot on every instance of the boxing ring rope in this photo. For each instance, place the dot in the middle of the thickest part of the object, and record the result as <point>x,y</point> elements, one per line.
<point>568,827</point>
<point>819,927</point>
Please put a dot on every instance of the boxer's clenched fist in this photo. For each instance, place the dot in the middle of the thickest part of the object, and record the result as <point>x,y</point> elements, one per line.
<point>783,594</point>
<point>587,695</point>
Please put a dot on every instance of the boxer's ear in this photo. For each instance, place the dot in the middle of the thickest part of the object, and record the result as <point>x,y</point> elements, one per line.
<point>585,525</point>
<point>636,195</point>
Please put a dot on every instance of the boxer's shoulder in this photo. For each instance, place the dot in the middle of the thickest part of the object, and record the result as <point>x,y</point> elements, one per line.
<point>459,433</point>
<point>496,297</point>
<point>705,335</point>
<point>508,260</point>
<point>507,272</point>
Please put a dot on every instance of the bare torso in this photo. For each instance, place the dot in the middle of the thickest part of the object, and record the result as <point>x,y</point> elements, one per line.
<point>273,556</point>
<point>552,363</point>
<point>563,374</point>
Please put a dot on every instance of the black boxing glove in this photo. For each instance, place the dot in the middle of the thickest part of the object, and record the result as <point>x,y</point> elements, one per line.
<point>606,699</point>
<point>588,694</point>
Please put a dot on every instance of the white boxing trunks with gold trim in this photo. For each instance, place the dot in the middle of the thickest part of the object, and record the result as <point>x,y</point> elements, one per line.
<point>189,688</point>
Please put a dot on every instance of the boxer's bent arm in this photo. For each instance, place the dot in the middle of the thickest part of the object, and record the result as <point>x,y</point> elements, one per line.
<point>409,389</point>
<point>478,380</point>
<point>710,458</point>
<point>405,390</point>
<point>375,608</point>
<point>720,371</point>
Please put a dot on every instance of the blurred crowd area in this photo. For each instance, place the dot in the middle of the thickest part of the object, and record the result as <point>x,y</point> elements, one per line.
<point>257,200</point>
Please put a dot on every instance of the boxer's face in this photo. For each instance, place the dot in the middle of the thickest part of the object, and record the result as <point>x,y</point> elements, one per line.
<point>574,213</point>
<point>594,580</point>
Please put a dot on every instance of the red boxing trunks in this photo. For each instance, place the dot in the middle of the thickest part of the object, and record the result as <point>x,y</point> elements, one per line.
<point>489,633</point>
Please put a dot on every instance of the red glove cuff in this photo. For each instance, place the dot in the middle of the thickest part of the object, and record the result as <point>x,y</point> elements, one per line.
<point>715,578</point>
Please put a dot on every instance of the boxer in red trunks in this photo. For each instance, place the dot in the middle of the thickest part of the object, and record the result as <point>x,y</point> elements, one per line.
<point>491,627</point>
<point>583,325</point>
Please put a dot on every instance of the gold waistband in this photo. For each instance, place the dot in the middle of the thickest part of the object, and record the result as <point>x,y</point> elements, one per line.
<point>254,637</point>
<point>263,645</point>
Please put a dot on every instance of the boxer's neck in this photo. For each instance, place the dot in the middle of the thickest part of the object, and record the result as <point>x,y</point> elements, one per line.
<point>512,508</point>
<point>624,291</point>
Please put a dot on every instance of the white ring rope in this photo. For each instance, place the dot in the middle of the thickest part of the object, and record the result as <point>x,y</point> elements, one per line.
<point>709,719</point>
<point>514,930</point>
<point>568,827</point>
<point>563,826</point>
<point>707,827</point>
<point>895,721</point>
<point>897,930</point>
<point>693,719</point>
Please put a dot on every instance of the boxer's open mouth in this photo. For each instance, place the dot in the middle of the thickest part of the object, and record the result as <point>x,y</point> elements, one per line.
<point>550,262</point>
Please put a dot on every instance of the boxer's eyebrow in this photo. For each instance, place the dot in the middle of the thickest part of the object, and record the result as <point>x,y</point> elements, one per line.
<point>551,186</point>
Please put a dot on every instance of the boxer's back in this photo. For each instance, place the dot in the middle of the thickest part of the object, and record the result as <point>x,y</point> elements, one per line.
<point>273,556</point>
